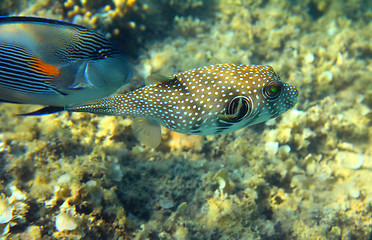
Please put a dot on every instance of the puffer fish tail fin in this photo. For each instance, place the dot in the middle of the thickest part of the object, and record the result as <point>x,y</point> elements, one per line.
<point>44,111</point>
<point>147,131</point>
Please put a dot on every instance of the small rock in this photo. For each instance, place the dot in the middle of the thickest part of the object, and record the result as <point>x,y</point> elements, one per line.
<point>65,222</point>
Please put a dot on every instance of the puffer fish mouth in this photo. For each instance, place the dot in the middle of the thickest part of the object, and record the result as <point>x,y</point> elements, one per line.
<point>292,103</point>
<point>293,94</point>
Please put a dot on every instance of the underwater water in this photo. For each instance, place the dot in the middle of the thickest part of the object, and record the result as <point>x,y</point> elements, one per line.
<point>303,175</point>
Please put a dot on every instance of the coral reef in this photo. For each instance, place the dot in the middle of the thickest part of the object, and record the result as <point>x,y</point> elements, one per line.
<point>304,175</point>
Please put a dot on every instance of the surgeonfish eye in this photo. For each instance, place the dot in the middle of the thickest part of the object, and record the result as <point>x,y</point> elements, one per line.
<point>239,107</point>
<point>103,53</point>
<point>272,90</point>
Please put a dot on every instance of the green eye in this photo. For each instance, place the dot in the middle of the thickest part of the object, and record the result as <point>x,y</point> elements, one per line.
<point>272,90</point>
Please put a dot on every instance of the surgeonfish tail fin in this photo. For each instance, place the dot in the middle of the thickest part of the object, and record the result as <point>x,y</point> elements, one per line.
<point>44,111</point>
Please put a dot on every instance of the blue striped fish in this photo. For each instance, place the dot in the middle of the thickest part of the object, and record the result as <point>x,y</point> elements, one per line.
<point>51,62</point>
<point>213,99</point>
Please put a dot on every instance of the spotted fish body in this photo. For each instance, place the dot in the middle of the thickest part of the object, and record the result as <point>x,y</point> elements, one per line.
<point>213,99</point>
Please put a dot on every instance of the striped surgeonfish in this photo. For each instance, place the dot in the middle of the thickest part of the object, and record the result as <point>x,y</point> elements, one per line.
<point>51,62</point>
<point>214,99</point>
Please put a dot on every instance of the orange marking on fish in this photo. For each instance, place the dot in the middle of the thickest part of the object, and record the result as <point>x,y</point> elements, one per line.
<point>44,67</point>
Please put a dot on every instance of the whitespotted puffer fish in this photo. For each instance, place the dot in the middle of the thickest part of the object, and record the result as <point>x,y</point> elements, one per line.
<point>214,99</point>
<point>51,62</point>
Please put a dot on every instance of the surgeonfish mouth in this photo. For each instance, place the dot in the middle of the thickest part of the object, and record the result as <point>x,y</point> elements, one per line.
<point>213,99</point>
<point>56,63</point>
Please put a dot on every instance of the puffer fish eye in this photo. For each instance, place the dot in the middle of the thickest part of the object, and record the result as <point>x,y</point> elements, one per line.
<point>272,90</point>
<point>239,107</point>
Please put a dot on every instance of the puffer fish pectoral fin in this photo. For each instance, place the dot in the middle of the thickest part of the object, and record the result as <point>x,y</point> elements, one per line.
<point>147,131</point>
<point>156,78</point>
<point>44,111</point>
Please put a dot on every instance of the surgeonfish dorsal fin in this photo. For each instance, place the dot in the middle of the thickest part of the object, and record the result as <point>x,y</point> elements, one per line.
<point>156,78</point>
<point>147,131</point>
